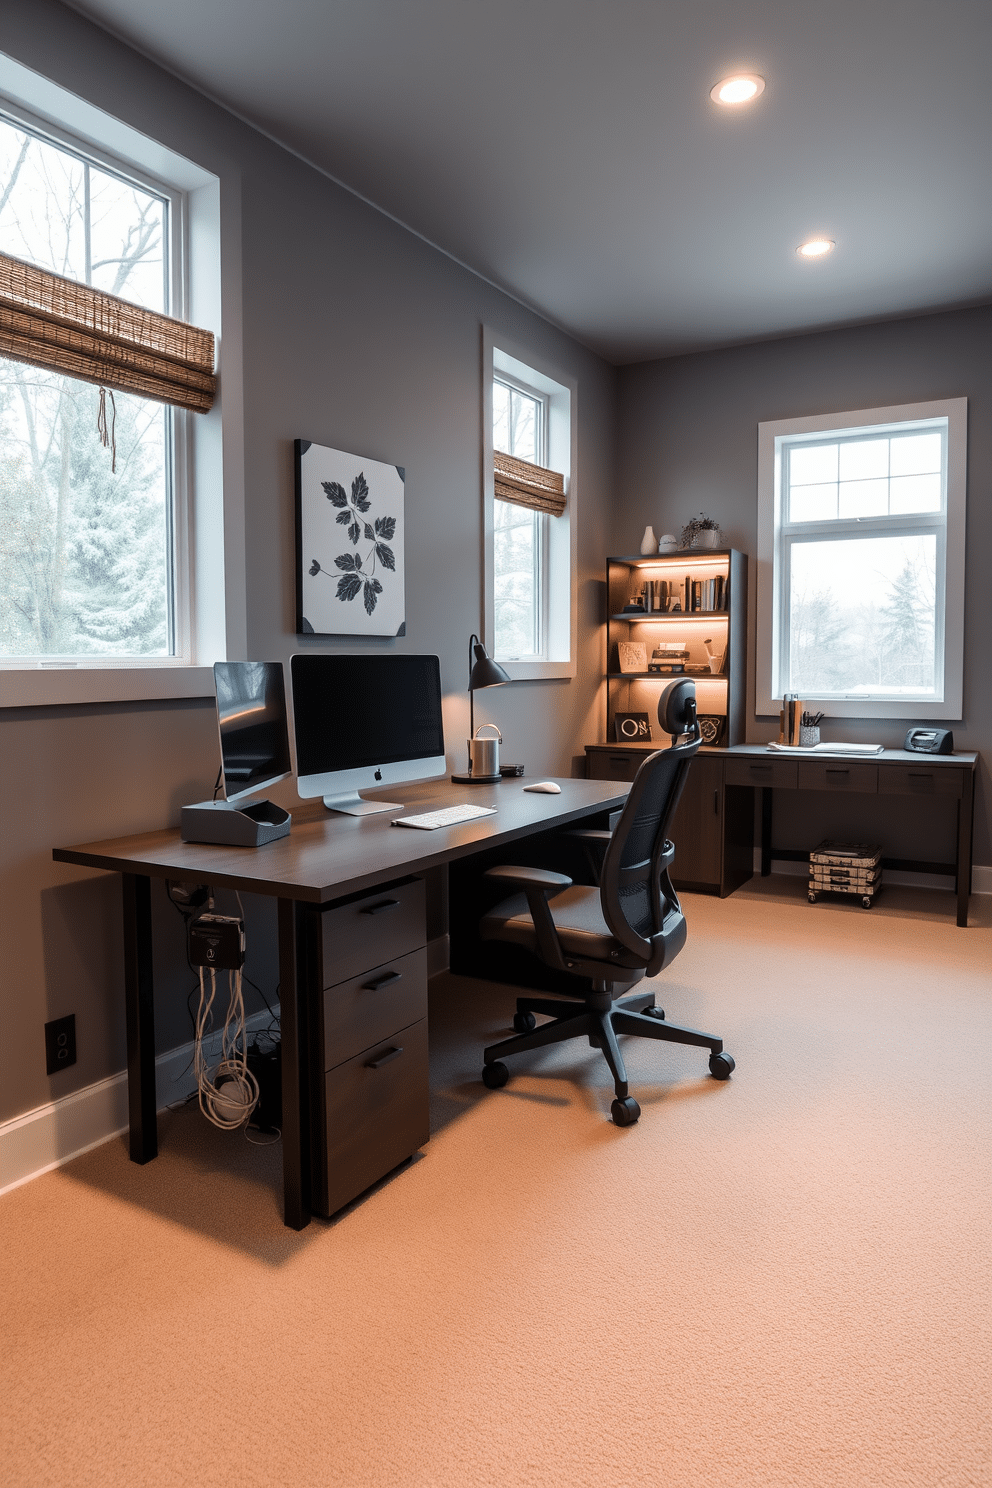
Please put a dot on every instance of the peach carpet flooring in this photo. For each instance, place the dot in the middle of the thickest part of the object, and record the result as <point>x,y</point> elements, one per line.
<point>779,1281</point>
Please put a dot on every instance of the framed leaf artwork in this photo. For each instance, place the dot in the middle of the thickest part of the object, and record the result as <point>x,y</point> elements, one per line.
<point>349,544</point>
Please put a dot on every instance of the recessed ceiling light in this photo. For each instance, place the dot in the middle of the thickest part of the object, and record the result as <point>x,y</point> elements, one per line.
<point>739,89</point>
<point>816,248</point>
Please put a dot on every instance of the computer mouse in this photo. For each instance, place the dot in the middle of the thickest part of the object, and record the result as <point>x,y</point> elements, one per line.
<point>546,787</point>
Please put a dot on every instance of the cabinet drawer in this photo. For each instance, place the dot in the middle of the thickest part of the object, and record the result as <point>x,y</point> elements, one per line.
<point>917,780</point>
<point>617,766</point>
<point>778,772</point>
<point>359,1012</point>
<point>373,1118</point>
<point>843,775</point>
<point>372,930</point>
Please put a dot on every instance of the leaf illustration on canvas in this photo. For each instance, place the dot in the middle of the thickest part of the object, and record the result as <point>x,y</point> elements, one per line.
<point>354,577</point>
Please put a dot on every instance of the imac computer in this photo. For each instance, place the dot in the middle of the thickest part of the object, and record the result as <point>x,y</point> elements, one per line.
<point>254,754</point>
<point>363,722</point>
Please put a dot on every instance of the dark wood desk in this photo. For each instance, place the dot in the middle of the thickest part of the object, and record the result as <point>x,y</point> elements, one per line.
<point>326,858</point>
<point>714,826</point>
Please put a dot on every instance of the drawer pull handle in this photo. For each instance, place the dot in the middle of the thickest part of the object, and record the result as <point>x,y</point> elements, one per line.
<point>383,981</point>
<point>384,1058</point>
<point>381,908</point>
<point>837,770</point>
<point>618,759</point>
<point>716,803</point>
<point>762,769</point>
<point>921,774</point>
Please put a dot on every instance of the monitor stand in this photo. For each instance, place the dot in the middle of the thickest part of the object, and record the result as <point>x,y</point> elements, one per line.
<point>352,804</point>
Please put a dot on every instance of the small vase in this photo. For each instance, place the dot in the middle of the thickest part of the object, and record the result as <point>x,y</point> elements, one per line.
<point>668,543</point>
<point>649,543</point>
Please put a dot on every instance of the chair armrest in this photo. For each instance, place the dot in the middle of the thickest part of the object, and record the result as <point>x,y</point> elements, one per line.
<point>540,885</point>
<point>594,841</point>
<point>527,878</point>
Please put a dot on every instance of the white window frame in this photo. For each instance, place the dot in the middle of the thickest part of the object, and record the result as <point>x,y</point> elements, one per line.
<point>513,363</point>
<point>208,536</point>
<point>772,436</point>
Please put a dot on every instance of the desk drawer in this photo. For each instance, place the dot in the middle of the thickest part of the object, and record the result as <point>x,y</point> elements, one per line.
<point>838,775</point>
<point>918,780</point>
<point>617,766</point>
<point>372,930</point>
<point>374,1118</point>
<point>359,1012</point>
<point>777,772</point>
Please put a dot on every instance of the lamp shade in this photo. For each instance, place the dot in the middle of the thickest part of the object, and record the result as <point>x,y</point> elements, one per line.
<point>485,672</point>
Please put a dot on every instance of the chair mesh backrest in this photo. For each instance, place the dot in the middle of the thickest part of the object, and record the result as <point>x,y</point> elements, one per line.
<point>630,882</point>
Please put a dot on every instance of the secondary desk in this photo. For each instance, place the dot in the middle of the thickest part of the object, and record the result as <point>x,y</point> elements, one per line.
<point>328,877</point>
<point>714,827</point>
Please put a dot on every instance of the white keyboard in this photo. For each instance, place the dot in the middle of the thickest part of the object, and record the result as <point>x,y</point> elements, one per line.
<point>448,816</point>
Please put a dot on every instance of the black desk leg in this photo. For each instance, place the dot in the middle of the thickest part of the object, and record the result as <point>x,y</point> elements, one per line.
<point>294,999</point>
<point>766,830</point>
<point>139,1009</point>
<point>966,813</point>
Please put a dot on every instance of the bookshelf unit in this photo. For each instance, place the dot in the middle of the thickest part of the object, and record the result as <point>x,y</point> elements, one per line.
<point>717,696</point>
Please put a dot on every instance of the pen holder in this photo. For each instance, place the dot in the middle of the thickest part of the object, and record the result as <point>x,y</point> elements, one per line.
<point>808,737</point>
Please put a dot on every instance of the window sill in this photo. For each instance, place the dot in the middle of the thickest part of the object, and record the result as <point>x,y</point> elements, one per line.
<point>537,671</point>
<point>37,687</point>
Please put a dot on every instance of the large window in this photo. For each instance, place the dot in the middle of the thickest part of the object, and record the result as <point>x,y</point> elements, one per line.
<point>862,530</point>
<point>529,549</point>
<point>89,566</point>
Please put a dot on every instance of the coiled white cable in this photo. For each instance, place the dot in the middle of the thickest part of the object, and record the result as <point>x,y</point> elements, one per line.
<point>229,1092</point>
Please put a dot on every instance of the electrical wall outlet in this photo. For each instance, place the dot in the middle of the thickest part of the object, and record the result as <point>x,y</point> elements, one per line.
<point>60,1043</point>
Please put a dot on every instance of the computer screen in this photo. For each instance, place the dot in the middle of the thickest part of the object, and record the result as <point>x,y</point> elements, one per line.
<point>254,729</point>
<point>365,721</point>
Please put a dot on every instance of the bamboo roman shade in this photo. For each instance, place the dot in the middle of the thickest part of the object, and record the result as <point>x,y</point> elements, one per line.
<point>68,327</point>
<point>528,485</point>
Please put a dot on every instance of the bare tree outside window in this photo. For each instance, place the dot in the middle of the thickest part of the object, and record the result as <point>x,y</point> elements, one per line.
<point>85,564</point>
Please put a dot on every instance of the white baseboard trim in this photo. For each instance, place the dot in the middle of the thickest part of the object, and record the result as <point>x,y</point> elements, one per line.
<point>52,1135</point>
<point>981,875</point>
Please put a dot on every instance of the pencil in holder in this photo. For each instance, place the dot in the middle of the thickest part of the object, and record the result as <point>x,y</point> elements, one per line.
<point>808,737</point>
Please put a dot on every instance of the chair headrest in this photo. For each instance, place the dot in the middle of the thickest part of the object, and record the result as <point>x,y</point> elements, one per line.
<point>677,707</point>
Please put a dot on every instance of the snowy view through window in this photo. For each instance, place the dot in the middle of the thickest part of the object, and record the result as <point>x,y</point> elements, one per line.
<point>517,430</point>
<point>863,520</point>
<point>84,552</point>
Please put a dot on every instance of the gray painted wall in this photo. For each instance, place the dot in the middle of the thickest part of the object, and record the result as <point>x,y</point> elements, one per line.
<point>688,442</point>
<point>356,334</point>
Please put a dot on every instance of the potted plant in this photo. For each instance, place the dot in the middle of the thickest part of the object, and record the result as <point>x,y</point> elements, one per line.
<point>700,532</point>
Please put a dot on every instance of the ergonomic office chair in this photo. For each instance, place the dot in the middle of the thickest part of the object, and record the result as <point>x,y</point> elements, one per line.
<point>629,925</point>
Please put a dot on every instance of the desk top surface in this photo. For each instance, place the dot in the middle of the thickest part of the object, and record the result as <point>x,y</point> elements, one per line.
<point>963,757</point>
<point>887,756</point>
<point>328,855</point>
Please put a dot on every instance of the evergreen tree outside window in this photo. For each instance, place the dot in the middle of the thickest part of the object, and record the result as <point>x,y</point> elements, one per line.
<point>87,553</point>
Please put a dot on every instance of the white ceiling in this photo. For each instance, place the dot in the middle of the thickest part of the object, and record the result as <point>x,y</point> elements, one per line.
<point>568,150</point>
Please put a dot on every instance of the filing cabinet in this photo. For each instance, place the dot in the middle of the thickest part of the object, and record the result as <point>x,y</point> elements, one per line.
<point>372,1106</point>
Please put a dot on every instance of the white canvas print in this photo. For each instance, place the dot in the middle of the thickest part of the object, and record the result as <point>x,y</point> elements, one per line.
<point>350,527</point>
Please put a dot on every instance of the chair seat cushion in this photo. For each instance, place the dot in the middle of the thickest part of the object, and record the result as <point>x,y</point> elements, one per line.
<point>578,918</point>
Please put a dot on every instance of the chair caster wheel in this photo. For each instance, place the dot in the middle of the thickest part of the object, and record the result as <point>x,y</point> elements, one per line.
<point>655,1012</point>
<point>812,898</point>
<point>524,1022</point>
<point>495,1076</point>
<point>721,1066</point>
<point>867,901</point>
<point>625,1112</point>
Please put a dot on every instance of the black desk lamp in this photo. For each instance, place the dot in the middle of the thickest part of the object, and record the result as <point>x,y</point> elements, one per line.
<point>483,672</point>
